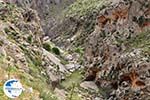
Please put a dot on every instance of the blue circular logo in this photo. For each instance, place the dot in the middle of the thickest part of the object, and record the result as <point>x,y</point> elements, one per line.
<point>12,88</point>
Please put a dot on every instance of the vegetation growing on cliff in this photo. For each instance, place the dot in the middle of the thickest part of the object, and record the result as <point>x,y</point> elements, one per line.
<point>82,8</point>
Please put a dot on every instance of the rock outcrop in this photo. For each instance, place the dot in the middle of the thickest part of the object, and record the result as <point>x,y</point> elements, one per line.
<point>118,63</point>
<point>76,49</point>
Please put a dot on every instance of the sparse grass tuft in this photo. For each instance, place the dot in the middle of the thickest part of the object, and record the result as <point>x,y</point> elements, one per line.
<point>64,62</point>
<point>142,40</point>
<point>79,50</point>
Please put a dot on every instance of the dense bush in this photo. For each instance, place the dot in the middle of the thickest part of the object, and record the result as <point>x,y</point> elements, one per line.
<point>47,46</point>
<point>56,50</point>
<point>29,39</point>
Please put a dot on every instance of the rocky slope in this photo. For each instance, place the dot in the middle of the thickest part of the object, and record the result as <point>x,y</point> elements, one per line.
<point>45,71</point>
<point>21,51</point>
<point>118,50</point>
<point>27,56</point>
<point>89,49</point>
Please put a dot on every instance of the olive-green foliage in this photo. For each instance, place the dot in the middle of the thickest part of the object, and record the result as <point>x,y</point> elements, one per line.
<point>85,12</point>
<point>1,43</point>
<point>11,33</point>
<point>29,39</point>
<point>64,62</point>
<point>11,12</point>
<point>38,82</point>
<point>142,40</point>
<point>79,50</point>
<point>33,77</point>
<point>34,56</point>
<point>1,91</point>
<point>83,7</point>
<point>6,30</point>
<point>47,46</point>
<point>47,96</point>
<point>72,94</point>
<point>56,50</point>
<point>75,77</point>
<point>11,69</point>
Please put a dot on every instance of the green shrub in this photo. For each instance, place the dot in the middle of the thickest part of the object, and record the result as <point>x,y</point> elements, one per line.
<point>79,51</point>
<point>83,7</point>
<point>47,46</point>
<point>1,43</point>
<point>47,96</point>
<point>29,39</point>
<point>64,62</point>
<point>56,50</point>
<point>142,41</point>
<point>1,91</point>
<point>11,69</point>
<point>6,30</point>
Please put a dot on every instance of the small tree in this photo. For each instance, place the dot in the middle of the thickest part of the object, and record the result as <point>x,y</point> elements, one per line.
<point>56,50</point>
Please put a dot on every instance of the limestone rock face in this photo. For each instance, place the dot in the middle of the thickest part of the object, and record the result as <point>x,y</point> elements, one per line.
<point>89,85</point>
<point>76,49</point>
<point>49,11</point>
<point>119,63</point>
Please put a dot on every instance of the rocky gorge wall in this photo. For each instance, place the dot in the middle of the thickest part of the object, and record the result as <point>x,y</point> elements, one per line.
<point>110,39</point>
<point>118,50</point>
<point>49,11</point>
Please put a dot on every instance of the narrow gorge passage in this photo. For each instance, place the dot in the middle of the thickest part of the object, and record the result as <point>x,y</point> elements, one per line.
<point>75,49</point>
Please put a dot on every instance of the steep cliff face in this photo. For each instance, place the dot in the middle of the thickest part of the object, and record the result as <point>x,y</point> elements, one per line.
<point>79,21</point>
<point>120,21</point>
<point>118,50</point>
<point>49,11</point>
